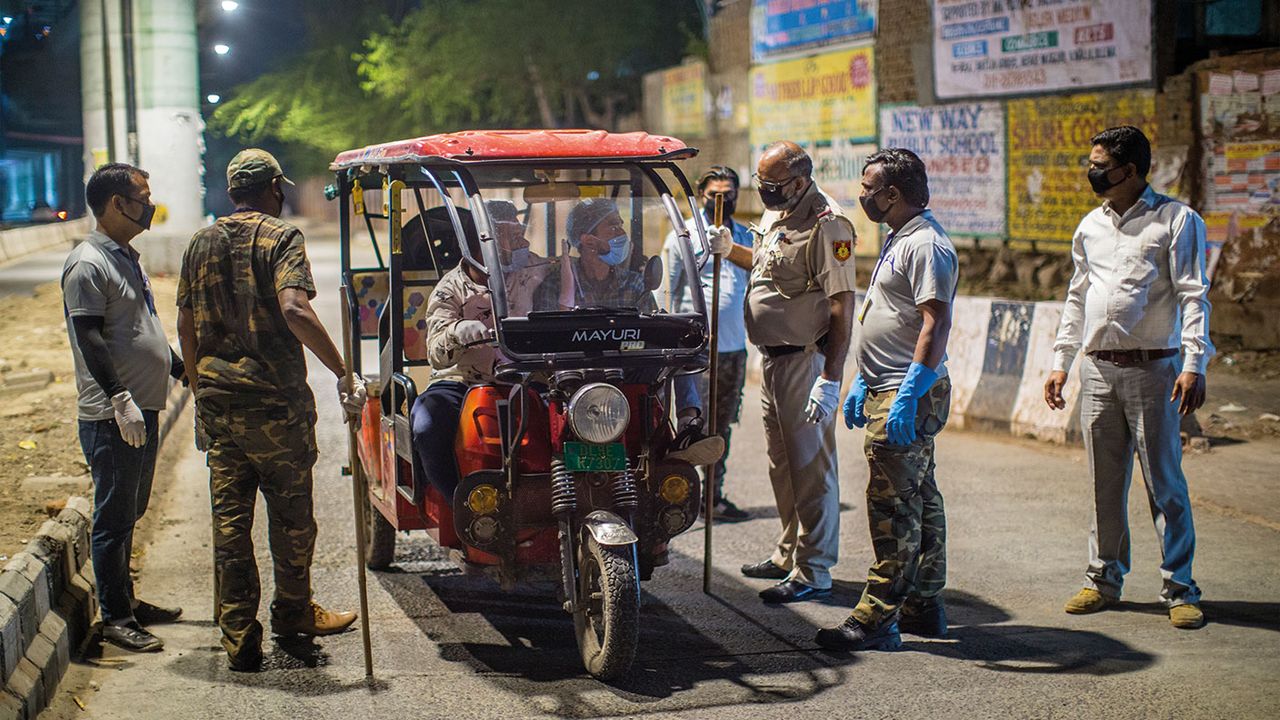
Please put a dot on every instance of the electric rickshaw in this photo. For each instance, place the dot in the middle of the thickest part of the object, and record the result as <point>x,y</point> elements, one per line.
<point>568,461</point>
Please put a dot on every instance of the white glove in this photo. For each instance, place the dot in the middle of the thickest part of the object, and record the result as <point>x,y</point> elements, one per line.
<point>823,399</point>
<point>129,419</point>
<point>720,238</point>
<point>471,332</point>
<point>353,398</point>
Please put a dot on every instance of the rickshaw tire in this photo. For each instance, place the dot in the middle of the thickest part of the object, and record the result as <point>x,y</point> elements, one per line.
<point>380,539</point>
<point>620,585</point>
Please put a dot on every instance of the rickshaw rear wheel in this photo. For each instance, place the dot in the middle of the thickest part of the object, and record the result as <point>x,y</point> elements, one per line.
<point>380,538</point>
<point>607,623</point>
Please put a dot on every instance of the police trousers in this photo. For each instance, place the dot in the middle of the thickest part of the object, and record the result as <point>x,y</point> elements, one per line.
<point>904,508</point>
<point>266,446</point>
<point>802,469</point>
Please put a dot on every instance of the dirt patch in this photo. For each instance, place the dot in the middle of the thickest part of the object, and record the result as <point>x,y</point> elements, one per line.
<point>1243,396</point>
<point>40,456</point>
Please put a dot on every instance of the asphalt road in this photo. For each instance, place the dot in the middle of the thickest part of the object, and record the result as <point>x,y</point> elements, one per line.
<point>453,646</point>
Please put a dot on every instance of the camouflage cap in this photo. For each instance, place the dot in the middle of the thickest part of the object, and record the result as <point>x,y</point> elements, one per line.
<point>251,167</point>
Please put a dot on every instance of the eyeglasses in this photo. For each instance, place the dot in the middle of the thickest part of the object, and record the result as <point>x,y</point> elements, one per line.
<point>140,201</point>
<point>769,185</point>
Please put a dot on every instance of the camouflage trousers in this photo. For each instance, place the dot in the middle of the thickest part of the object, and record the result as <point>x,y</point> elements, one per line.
<point>904,507</point>
<point>267,447</point>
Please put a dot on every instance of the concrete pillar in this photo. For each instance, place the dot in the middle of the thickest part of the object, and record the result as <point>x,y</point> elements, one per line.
<point>170,130</point>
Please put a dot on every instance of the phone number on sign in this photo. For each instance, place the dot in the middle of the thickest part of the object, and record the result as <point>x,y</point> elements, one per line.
<point>1011,79</point>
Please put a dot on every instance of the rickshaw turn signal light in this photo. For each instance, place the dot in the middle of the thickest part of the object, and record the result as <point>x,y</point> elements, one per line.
<point>484,529</point>
<point>675,489</point>
<point>483,499</point>
<point>673,520</point>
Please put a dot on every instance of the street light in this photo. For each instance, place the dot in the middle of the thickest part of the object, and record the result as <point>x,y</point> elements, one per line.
<point>229,5</point>
<point>213,98</point>
<point>221,49</point>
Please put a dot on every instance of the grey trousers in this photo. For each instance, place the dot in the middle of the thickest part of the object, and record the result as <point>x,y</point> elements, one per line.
<point>1124,410</point>
<point>802,469</point>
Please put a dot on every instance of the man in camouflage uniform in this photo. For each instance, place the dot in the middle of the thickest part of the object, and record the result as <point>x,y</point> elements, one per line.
<point>244,316</point>
<point>799,313</point>
<point>902,395</point>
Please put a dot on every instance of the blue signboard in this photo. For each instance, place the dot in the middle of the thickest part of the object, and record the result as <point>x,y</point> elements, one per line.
<point>780,27</point>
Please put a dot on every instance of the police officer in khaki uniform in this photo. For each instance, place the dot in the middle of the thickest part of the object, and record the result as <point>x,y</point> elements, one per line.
<point>799,314</point>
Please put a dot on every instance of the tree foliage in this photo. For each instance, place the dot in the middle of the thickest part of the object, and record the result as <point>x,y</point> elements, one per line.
<point>454,64</point>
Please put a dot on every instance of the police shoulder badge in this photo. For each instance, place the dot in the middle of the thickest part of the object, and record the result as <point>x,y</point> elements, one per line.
<point>842,249</point>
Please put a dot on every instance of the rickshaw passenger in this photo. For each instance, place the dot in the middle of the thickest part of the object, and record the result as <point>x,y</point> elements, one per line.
<point>600,275</point>
<point>459,322</point>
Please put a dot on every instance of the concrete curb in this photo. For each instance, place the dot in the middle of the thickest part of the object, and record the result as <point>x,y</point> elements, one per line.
<point>24,241</point>
<point>48,601</point>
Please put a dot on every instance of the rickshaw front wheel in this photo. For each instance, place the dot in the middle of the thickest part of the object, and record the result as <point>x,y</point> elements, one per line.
<point>607,623</point>
<point>380,538</point>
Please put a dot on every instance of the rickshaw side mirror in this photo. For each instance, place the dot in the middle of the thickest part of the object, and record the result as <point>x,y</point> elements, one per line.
<point>653,273</point>
<point>551,192</point>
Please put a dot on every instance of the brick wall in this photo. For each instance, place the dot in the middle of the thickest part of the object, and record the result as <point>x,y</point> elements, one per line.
<point>904,25</point>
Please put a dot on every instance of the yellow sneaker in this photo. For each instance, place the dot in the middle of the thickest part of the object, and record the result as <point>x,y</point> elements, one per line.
<point>1089,601</point>
<point>1187,616</point>
<point>315,620</point>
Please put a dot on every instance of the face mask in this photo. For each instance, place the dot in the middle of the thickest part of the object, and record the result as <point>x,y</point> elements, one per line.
<point>730,204</point>
<point>873,211</point>
<point>144,220</point>
<point>1100,180</point>
<point>619,251</point>
<point>519,259</point>
<point>774,199</point>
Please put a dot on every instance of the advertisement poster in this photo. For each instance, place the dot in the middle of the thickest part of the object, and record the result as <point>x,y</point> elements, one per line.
<point>779,27</point>
<point>988,48</point>
<point>1048,148</point>
<point>815,99</point>
<point>684,100</point>
<point>963,149</point>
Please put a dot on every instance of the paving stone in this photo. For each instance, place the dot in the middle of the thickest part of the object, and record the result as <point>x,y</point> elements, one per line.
<point>44,655</point>
<point>15,586</point>
<point>11,707</point>
<point>25,684</point>
<point>33,569</point>
<point>11,647</point>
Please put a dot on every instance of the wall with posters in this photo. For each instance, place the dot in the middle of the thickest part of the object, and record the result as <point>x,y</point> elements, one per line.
<point>963,148</point>
<point>781,27</point>
<point>987,48</point>
<point>683,100</point>
<point>1048,148</point>
<point>826,103</point>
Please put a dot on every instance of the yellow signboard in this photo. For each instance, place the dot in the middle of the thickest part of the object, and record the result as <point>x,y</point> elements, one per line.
<point>817,99</point>
<point>684,100</point>
<point>1048,149</point>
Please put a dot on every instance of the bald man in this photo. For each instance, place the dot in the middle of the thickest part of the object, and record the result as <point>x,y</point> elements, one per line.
<point>799,314</point>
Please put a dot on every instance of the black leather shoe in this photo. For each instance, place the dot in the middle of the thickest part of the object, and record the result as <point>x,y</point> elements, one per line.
<point>247,661</point>
<point>926,618</point>
<point>765,570</point>
<point>851,635</point>
<point>147,614</point>
<point>789,591</point>
<point>131,637</point>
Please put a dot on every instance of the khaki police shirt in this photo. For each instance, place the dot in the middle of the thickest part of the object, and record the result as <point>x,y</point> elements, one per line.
<point>801,260</point>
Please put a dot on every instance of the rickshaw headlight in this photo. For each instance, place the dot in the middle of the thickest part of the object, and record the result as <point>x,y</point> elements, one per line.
<point>483,499</point>
<point>598,413</point>
<point>675,489</point>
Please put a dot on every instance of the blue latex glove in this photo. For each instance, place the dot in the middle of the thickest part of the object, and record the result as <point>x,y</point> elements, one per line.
<point>901,427</point>
<point>853,415</point>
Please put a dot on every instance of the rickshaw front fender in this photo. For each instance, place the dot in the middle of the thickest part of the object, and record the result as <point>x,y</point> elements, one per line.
<point>610,530</point>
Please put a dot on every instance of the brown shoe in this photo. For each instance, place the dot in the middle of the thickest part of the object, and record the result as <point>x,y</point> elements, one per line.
<point>314,621</point>
<point>1186,616</point>
<point>1089,601</point>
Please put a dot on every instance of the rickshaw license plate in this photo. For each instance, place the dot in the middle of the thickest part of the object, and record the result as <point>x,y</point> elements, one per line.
<point>588,457</point>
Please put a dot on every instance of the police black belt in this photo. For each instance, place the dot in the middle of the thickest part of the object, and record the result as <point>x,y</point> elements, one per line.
<point>1125,358</point>
<point>777,351</point>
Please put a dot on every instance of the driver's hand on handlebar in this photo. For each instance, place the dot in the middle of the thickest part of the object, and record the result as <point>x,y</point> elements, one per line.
<point>352,397</point>
<point>471,332</point>
<point>720,239</point>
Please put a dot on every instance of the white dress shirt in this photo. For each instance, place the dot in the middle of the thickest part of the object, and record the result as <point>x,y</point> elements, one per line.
<point>1139,283</point>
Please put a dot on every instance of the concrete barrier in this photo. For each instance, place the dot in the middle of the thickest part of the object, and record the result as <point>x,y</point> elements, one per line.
<point>999,355</point>
<point>22,241</point>
<point>48,601</point>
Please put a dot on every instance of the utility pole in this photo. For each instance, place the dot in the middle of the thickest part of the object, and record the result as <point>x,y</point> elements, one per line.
<point>130,83</point>
<point>106,84</point>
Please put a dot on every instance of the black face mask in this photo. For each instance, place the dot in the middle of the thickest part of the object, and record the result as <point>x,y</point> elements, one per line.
<point>730,204</point>
<point>774,199</point>
<point>143,220</point>
<point>1100,179</point>
<point>874,213</point>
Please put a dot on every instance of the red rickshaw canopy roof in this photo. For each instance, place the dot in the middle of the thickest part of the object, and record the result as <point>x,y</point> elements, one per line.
<point>509,145</point>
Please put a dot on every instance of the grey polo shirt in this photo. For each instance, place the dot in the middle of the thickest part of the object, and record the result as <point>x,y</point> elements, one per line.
<point>103,279</point>
<point>918,263</point>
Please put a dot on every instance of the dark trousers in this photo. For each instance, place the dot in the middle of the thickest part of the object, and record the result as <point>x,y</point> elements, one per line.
<point>121,489</point>
<point>435,427</point>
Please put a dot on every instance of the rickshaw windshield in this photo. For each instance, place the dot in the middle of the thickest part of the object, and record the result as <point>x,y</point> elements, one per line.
<point>598,237</point>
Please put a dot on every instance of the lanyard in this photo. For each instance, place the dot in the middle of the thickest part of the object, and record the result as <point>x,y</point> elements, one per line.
<point>146,281</point>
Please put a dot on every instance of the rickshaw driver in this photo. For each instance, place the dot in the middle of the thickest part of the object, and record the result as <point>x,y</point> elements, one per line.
<point>459,322</point>
<point>599,275</point>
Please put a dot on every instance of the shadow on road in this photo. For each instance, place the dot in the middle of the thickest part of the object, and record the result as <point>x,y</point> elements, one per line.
<point>1260,615</point>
